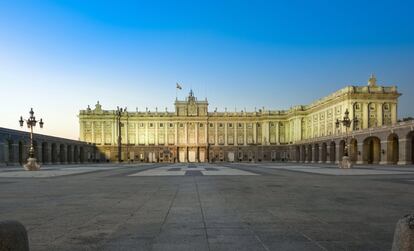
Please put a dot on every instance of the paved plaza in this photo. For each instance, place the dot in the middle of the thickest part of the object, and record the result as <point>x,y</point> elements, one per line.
<point>226,206</point>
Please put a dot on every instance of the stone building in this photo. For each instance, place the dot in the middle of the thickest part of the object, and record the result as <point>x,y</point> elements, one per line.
<point>193,133</point>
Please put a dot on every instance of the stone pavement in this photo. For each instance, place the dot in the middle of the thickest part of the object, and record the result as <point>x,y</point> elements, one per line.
<point>280,207</point>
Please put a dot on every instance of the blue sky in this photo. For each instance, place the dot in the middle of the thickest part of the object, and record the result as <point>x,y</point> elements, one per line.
<point>60,56</point>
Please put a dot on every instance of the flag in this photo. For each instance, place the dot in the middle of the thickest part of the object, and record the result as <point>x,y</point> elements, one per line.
<point>178,86</point>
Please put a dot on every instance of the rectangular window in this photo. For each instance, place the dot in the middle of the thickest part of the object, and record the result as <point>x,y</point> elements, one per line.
<point>201,125</point>
<point>161,125</point>
<point>230,125</point>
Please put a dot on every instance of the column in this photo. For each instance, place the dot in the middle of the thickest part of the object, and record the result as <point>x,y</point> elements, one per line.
<point>360,153</point>
<point>364,115</point>
<point>146,133</point>
<point>394,113</point>
<point>82,132</point>
<point>156,133</point>
<point>49,153</point>
<point>338,156</point>
<point>206,134</point>
<point>196,124</point>
<point>328,153</point>
<point>254,132</point>
<point>404,152</point>
<point>314,154</point>
<point>379,114</point>
<point>166,134</point>
<point>321,154</point>
<point>384,156</point>
<point>225,133</point>
<point>277,133</point>
<point>102,133</point>
<point>2,153</point>
<point>93,131</point>
<point>245,134</point>
<point>216,134</point>
<point>113,133</point>
<point>176,137</point>
<point>38,150</point>
<point>186,135</point>
<point>235,140</point>
<point>136,134</point>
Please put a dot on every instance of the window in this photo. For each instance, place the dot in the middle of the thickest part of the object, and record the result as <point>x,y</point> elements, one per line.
<point>171,125</point>
<point>181,125</point>
<point>240,125</point>
<point>201,125</point>
<point>141,125</point>
<point>211,125</point>
<point>220,125</point>
<point>151,125</point>
<point>161,125</point>
<point>230,125</point>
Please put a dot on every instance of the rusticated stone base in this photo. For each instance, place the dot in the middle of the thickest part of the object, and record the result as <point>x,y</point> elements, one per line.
<point>31,165</point>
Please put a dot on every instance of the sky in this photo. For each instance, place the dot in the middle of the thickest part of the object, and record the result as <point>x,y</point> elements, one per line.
<point>61,56</point>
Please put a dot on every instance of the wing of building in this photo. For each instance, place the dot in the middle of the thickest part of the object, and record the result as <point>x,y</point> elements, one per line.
<point>194,133</point>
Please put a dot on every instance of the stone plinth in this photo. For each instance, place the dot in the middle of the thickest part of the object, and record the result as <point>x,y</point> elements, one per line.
<point>31,165</point>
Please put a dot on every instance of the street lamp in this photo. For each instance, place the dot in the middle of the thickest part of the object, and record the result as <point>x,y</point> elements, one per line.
<point>118,114</point>
<point>31,122</point>
<point>346,122</point>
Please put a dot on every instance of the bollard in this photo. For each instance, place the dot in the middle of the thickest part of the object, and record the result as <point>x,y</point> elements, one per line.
<point>404,234</point>
<point>13,236</point>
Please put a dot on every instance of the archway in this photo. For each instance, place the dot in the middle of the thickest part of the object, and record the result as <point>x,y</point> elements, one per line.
<point>341,149</point>
<point>45,157</point>
<point>410,147</point>
<point>372,150</point>
<point>324,151</point>
<point>10,155</point>
<point>81,154</point>
<point>62,153</point>
<point>297,155</point>
<point>75,154</point>
<point>392,149</point>
<point>309,153</point>
<point>353,150</point>
<point>21,149</point>
<point>68,154</point>
<point>303,154</point>
<point>332,152</point>
<point>54,153</point>
<point>316,154</point>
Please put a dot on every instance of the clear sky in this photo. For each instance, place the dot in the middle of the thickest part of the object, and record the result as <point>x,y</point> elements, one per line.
<point>60,56</point>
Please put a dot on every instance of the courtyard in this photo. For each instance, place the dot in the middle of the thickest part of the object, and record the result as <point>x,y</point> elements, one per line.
<point>200,206</point>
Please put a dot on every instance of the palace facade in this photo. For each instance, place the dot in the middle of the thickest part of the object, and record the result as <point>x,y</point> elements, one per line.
<point>193,133</point>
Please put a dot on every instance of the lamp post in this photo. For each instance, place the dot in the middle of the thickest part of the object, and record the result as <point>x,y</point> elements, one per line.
<point>31,122</point>
<point>118,114</point>
<point>346,122</point>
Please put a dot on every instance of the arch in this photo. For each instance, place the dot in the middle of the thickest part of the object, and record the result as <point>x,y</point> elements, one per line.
<point>54,153</point>
<point>316,153</point>
<point>62,154</point>
<point>324,148</point>
<point>372,150</point>
<point>10,154</point>
<point>332,152</point>
<point>45,156</point>
<point>81,154</point>
<point>21,150</point>
<point>69,153</point>
<point>410,147</point>
<point>297,153</point>
<point>75,154</point>
<point>353,150</point>
<point>341,149</point>
<point>309,153</point>
<point>392,149</point>
<point>303,153</point>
